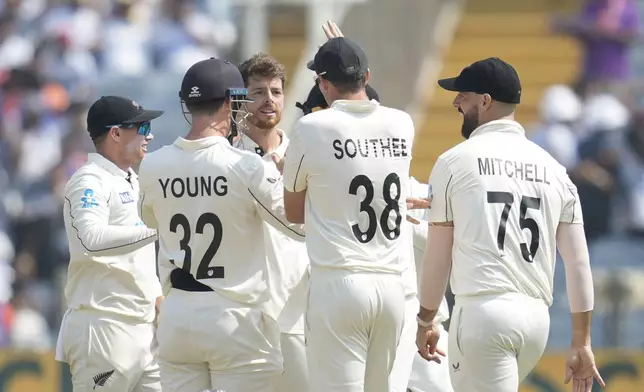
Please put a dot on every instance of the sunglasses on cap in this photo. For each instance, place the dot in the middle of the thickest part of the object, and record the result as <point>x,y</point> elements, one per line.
<point>144,128</point>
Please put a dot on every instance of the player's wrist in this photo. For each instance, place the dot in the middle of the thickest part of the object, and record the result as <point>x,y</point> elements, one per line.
<point>424,323</point>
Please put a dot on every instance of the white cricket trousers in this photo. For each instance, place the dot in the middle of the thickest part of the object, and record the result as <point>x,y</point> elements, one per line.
<point>108,353</point>
<point>411,372</point>
<point>353,324</point>
<point>296,373</point>
<point>495,341</point>
<point>208,342</point>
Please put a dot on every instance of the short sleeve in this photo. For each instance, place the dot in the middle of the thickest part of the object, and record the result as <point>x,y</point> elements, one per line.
<point>440,181</point>
<point>571,211</point>
<point>295,174</point>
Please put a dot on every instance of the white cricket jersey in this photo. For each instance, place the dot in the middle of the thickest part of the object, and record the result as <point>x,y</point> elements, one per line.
<point>419,237</point>
<point>112,266</point>
<point>208,201</point>
<point>353,161</point>
<point>506,197</point>
<point>288,262</point>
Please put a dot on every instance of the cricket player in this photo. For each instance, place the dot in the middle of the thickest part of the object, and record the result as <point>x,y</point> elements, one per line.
<point>288,262</point>
<point>410,370</point>
<point>107,334</point>
<point>208,201</point>
<point>501,207</point>
<point>345,174</point>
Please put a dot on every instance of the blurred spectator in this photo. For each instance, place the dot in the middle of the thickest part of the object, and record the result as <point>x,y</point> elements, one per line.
<point>606,30</point>
<point>597,174</point>
<point>124,42</point>
<point>29,330</point>
<point>15,50</point>
<point>559,111</point>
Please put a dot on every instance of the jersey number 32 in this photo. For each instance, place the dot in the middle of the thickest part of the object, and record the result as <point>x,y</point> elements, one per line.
<point>204,270</point>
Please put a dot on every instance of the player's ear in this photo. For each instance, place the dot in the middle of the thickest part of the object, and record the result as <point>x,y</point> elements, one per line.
<point>367,77</point>
<point>115,133</point>
<point>486,101</point>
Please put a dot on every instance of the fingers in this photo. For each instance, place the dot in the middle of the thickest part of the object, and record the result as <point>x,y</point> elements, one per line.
<point>331,30</point>
<point>336,30</point>
<point>413,220</point>
<point>417,203</point>
<point>568,375</point>
<point>327,30</point>
<point>441,352</point>
<point>598,377</point>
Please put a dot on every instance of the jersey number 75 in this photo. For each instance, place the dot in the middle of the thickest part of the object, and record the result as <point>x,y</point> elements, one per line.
<point>527,202</point>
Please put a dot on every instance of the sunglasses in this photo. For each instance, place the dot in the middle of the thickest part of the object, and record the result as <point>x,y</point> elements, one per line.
<point>144,129</point>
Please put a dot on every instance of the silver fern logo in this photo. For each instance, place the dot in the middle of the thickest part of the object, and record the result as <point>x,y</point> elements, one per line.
<point>101,378</point>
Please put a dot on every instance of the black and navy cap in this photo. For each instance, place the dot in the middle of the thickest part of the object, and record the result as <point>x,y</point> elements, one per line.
<point>491,76</point>
<point>112,110</point>
<point>316,101</point>
<point>339,59</point>
<point>210,80</point>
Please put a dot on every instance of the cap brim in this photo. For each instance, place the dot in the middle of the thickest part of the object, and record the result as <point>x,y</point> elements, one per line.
<point>147,115</point>
<point>311,65</point>
<point>448,84</point>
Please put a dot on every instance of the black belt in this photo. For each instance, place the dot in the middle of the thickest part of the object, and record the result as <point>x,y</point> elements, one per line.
<point>182,280</point>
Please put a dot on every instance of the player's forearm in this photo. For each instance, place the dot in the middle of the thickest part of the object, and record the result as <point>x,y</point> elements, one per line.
<point>114,240</point>
<point>436,266</point>
<point>581,329</point>
<point>571,242</point>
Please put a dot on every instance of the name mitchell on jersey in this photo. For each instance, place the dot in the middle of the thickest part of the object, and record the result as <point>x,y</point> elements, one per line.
<point>521,170</point>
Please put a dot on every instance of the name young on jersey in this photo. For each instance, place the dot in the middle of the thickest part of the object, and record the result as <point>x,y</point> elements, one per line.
<point>391,147</point>
<point>524,171</point>
<point>194,186</point>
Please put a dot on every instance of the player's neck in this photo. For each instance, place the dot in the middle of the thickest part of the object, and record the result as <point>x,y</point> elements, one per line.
<point>267,139</point>
<point>203,128</point>
<point>115,158</point>
<point>359,96</point>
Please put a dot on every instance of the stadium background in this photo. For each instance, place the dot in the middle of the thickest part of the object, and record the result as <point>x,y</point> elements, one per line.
<point>57,56</point>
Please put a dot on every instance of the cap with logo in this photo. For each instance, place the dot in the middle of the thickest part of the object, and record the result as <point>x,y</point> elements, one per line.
<point>210,80</point>
<point>113,110</point>
<point>339,59</point>
<point>316,101</point>
<point>491,76</point>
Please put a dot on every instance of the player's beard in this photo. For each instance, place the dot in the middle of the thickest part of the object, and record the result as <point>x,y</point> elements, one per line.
<point>266,124</point>
<point>470,122</point>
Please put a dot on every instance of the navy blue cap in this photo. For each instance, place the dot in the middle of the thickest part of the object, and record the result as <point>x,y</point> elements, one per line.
<point>339,59</point>
<point>491,76</point>
<point>114,110</point>
<point>210,80</point>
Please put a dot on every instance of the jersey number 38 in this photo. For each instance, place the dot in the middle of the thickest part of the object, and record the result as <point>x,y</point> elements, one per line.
<point>392,205</point>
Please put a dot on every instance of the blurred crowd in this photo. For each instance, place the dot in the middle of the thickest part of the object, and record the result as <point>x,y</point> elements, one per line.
<point>54,56</point>
<point>595,128</point>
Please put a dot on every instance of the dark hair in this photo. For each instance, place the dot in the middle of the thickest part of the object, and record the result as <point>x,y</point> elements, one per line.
<point>349,85</point>
<point>207,108</point>
<point>264,66</point>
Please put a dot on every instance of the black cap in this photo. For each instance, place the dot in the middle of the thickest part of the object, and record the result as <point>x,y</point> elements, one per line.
<point>339,59</point>
<point>491,76</point>
<point>210,80</point>
<point>112,110</point>
<point>316,101</point>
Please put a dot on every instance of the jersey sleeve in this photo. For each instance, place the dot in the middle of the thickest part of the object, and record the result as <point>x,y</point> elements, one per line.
<point>440,182</point>
<point>266,187</point>
<point>571,211</point>
<point>89,204</point>
<point>295,174</point>
<point>146,212</point>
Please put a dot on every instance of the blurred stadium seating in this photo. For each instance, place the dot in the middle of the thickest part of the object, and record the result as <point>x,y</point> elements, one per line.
<point>44,96</point>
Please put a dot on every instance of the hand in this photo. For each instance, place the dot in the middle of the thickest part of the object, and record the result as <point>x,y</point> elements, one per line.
<point>427,342</point>
<point>279,162</point>
<point>418,203</point>
<point>157,308</point>
<point>581,369</point>
<point>331,30</point>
